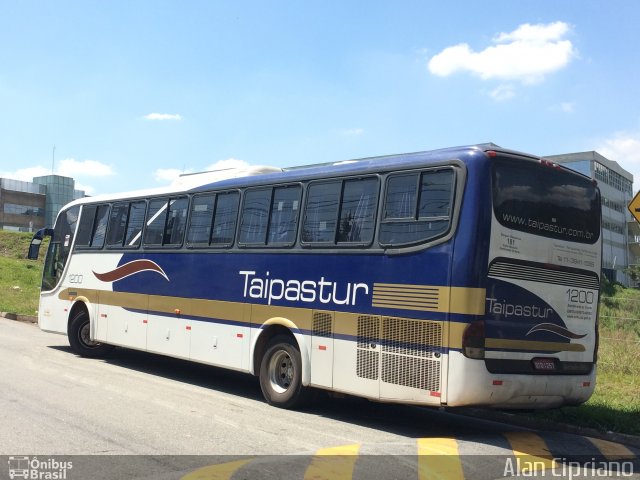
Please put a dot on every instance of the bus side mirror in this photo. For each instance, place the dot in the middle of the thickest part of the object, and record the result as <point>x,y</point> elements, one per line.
<point>36,241</point>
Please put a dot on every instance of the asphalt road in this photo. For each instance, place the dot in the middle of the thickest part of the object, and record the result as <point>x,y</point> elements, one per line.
<point>139,415</point>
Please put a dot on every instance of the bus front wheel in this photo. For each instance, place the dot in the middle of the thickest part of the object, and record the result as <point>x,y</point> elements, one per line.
<point>80,338</point>
<point>281,374</point>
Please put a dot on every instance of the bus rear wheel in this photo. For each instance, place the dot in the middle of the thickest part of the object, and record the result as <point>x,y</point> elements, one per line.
<point>80,338</point>
<point>281,374</point>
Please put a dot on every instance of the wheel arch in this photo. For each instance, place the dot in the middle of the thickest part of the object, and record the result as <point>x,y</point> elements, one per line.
<point>272,328</point>
<point>79,304</point>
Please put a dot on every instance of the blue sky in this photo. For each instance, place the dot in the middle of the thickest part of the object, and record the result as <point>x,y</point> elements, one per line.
<point>132,93</point>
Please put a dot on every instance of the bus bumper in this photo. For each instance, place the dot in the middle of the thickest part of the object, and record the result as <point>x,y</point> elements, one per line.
<point>471,384</point>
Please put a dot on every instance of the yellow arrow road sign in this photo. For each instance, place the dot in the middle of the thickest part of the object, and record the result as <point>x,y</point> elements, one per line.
<point>634,207</point>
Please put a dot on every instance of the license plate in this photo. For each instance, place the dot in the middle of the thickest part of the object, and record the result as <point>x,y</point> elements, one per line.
<point>544,364</point>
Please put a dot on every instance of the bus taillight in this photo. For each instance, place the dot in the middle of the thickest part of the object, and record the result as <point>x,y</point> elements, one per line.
<point>547,163</point>
<point>473,340</point>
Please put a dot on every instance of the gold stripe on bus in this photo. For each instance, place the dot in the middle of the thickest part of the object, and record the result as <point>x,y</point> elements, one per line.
<point>344,324</point>
<point>530,345</point>
<point>421,305</point>
<point>400,295</point>
<point>425,298</point>
<point>133,301</point>
<point>300,317</point>
<point>73,293</point>
<point>469,301</point>
<point>406,288</point>
<point>456,330</point>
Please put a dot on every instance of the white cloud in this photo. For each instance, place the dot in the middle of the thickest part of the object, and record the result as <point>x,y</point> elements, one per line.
<point>167,174</point>
<point>353,132</point>
<point>526,54</point>
<point>26,174</point>
<point>88,189</point>
<point>227,164</point>
<point>70,167</point>
<point>172,175</point>
<point>624,148</point>
<point>563,107</point>
<point>503,93</point>
<point>567,107</point>
<point>163,116</point>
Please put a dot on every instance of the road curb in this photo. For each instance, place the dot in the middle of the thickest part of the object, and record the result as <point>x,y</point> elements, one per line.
<point>537,424</point>
<point>19,318</point>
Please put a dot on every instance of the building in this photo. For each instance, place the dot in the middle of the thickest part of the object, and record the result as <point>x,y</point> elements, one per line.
<point>29,206</point>
<point>616,188</point>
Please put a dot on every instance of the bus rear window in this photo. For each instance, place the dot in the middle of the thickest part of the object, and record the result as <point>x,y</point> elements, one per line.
<point>551,202</point>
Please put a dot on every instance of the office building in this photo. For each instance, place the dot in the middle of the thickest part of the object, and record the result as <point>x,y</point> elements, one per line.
<point>616,188</point>
<point>29,206</point>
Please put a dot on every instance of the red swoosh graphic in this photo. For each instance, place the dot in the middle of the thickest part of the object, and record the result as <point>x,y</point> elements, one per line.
<point>557,329</point>
<point>131,268</point>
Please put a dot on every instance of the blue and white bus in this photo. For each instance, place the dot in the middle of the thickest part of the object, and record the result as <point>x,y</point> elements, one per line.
<point>462,276</point>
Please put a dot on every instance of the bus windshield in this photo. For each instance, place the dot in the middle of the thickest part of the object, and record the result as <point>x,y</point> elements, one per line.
<point>59,248</point>
<point>551,202</point>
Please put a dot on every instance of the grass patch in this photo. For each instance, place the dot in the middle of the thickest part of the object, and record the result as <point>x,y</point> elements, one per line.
<point>615,404</point>
<point>19,286</point>
<point>19,278</point>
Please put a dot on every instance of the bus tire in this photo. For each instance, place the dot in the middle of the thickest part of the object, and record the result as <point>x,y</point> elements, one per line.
<point>281,374</point>
<point>80,340</point>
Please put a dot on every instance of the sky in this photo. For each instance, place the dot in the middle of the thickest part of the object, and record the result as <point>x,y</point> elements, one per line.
<point>126,95</point>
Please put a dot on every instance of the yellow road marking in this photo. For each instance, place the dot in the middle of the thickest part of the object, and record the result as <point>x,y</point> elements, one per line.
<point>611,450</point>
<point>531,452</point>
<point>335,463</point>
<point>438,458</point>
<point>223,471</point>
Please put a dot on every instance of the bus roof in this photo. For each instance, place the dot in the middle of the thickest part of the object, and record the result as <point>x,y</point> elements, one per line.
<point>257,175</point>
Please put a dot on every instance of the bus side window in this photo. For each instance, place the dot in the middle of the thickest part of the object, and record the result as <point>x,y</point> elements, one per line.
<point>135,223</point>
<point>92,227</point>
<point>117,224</point>
<point>202,208</point>
<point>156,218</point>
<point>284,215</point>
<point>417,207</point>
<point>436,194</point>
<point>321,212</point>
<point>100,226</point>
<point>85,227</point>
<point>224,221</point>
<point>213,219</point>
<point>358,211</point>
<point>125,224</point>
<point>255,215</point>
<point>176,221</point>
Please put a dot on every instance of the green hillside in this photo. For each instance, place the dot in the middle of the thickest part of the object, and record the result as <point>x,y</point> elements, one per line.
<point>19,278</point>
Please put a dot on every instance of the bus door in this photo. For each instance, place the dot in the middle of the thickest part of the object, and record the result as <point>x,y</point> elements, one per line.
<point>53,311</point>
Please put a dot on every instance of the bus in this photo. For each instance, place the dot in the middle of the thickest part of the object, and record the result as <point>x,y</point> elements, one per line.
<point>455,277</point>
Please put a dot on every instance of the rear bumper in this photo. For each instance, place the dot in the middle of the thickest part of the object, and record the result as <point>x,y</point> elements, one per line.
<point>471,384</point>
